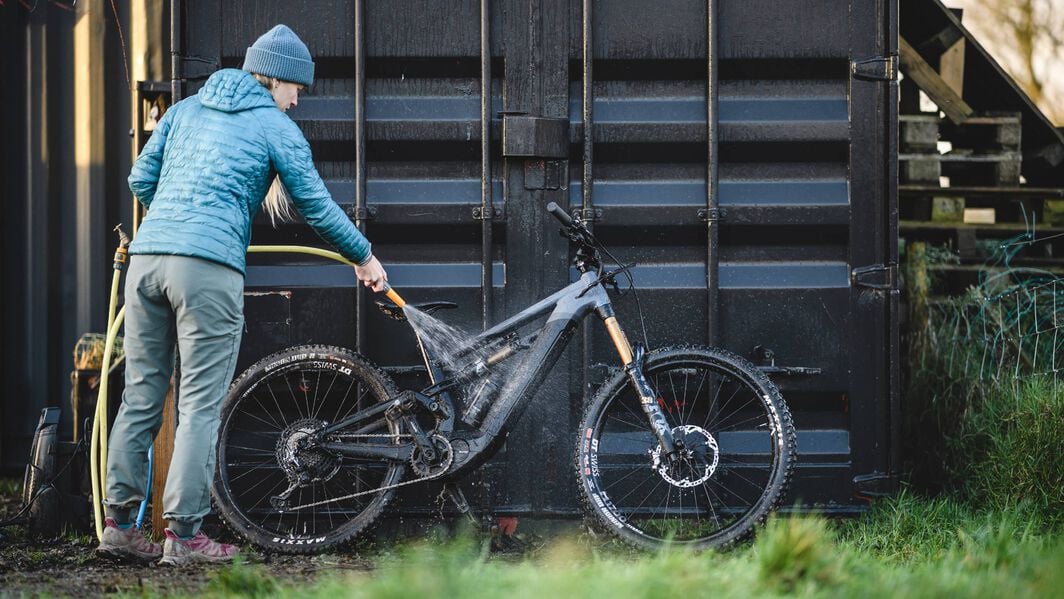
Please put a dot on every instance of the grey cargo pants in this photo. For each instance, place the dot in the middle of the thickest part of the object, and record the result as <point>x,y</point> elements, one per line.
<point>198,305</point>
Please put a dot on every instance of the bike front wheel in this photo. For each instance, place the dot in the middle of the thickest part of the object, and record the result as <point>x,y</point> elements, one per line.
<point>265,446</point>
<point>738,452</point>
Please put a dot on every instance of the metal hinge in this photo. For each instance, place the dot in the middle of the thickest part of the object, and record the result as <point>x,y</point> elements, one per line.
<point>879,68</point>
<point>711,215</point>
<point>365,213</point>
<point>588,214</point>
<point>876,276</point>
<point>478,213</point>
<point>875,484</point>
<point>195,67</point>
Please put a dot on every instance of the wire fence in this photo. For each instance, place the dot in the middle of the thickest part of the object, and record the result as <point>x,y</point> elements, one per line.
<point>1005,329</point>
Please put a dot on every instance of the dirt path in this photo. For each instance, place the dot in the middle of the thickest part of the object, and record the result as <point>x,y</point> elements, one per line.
<point>69,567</point>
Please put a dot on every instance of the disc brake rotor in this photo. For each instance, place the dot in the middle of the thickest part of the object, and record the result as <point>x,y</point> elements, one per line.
<point>697,461</point>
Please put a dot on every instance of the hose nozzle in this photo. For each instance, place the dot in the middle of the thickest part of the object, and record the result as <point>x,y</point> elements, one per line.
<point>123,239</point>
<point>121,253</point>
<point>394,296</point>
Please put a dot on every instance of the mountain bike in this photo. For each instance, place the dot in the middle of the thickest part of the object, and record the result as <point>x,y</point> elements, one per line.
<point>686,445</point>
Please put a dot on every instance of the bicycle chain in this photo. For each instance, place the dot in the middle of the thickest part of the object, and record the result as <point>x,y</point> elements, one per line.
<point>377,490</point>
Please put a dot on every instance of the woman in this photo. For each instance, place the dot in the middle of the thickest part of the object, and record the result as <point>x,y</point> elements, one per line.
<point>203,176</point>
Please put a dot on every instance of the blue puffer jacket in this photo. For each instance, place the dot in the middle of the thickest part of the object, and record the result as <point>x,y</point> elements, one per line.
<point>205,170</point>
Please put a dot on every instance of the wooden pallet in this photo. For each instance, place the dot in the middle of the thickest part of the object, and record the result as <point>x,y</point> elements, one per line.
<point>984,150</point>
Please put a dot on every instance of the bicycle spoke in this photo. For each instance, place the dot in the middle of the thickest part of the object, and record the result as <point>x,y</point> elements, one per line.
<point>685,418</point>
<point>340,404</point>
<point>702,493</point>
<point>270,424</point>
<point>272,463</point>
<point>254,471</point>
<point>277,403</point>
<point>317,385</point>
<point>607,487</point>
<point>257,450</point>
<point>273,421</point>
<point>295,401</point>
<point>635,425</point>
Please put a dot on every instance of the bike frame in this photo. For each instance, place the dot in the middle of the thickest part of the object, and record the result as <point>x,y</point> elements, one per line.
<point>565,310</point>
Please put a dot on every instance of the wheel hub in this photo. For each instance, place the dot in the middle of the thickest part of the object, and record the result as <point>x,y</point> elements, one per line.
<point>300,457</point>
<point>696,461</point>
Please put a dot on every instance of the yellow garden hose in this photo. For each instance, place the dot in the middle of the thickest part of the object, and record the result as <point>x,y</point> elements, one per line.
<point>257,249</point>
<point>98,439</point>
<point>98,444</point>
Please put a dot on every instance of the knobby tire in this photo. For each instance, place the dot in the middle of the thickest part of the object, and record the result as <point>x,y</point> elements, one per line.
<point>279,397</point>
<point>704,389</point>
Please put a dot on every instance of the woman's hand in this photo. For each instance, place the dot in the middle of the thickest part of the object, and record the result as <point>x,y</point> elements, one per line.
<point>372,274</point>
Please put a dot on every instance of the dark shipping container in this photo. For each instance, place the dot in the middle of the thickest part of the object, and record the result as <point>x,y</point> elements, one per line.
<point>787,256</point>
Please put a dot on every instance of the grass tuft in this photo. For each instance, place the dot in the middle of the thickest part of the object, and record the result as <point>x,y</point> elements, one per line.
<point>796,550</point>
<point>240,579</point>
<point>10,487</point>
<point>983,404</point>
<point>1012,441</point>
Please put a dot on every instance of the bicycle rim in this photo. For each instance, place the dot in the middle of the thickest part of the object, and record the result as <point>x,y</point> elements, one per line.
<point>730,416</point>
<point>257,461</point>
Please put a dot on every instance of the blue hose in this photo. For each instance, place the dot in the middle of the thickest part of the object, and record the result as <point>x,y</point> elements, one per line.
<point>147,491</point>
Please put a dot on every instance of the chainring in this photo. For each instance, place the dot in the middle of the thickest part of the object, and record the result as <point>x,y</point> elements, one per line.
<point>444,458</point>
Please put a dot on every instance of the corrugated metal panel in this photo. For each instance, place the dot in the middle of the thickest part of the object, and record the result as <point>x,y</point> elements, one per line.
<point>804,190</point>
<point>57,258</point>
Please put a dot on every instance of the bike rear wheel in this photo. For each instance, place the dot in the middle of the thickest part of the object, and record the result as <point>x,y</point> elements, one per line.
<point>271,408</point>
<point>740,450</point>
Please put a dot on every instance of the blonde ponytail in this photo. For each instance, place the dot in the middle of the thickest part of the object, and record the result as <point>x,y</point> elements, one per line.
<point>278,204</point>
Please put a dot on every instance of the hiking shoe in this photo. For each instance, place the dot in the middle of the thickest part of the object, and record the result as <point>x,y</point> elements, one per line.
<point>127,543</point>
<point>181,552</point>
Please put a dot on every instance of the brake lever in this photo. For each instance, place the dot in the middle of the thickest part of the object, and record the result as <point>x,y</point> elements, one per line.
<point>609,277</point>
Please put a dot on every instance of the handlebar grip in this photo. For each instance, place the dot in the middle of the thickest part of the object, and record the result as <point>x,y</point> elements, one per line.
<point>560,214</point>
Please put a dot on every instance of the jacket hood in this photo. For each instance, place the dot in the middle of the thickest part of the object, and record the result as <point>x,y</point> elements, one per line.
<point>233,90</point>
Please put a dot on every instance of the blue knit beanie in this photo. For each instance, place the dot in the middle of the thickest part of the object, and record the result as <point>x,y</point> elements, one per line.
<point>280,53</point>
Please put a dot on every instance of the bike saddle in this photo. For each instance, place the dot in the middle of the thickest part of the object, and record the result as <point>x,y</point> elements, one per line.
<point>394,311</point>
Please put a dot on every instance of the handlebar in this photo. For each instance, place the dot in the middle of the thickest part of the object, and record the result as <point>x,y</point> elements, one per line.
<point>587,255</point>
<point>560,214</point>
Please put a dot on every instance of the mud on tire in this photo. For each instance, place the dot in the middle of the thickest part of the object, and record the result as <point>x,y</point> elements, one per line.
<point>269,407</point>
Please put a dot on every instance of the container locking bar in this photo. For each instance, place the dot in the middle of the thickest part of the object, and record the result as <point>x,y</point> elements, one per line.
<point>879,68</point>
<point>526,136</point>
<point>876,276</point>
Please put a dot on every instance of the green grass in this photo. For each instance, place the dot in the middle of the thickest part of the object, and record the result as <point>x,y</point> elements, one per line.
<point>906,546</point>
<point>983,411</point>
<point>10,487</point>
<point>1012,442</point>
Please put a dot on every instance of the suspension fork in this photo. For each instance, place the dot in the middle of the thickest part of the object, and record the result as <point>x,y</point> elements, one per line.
<point>633,367</point>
